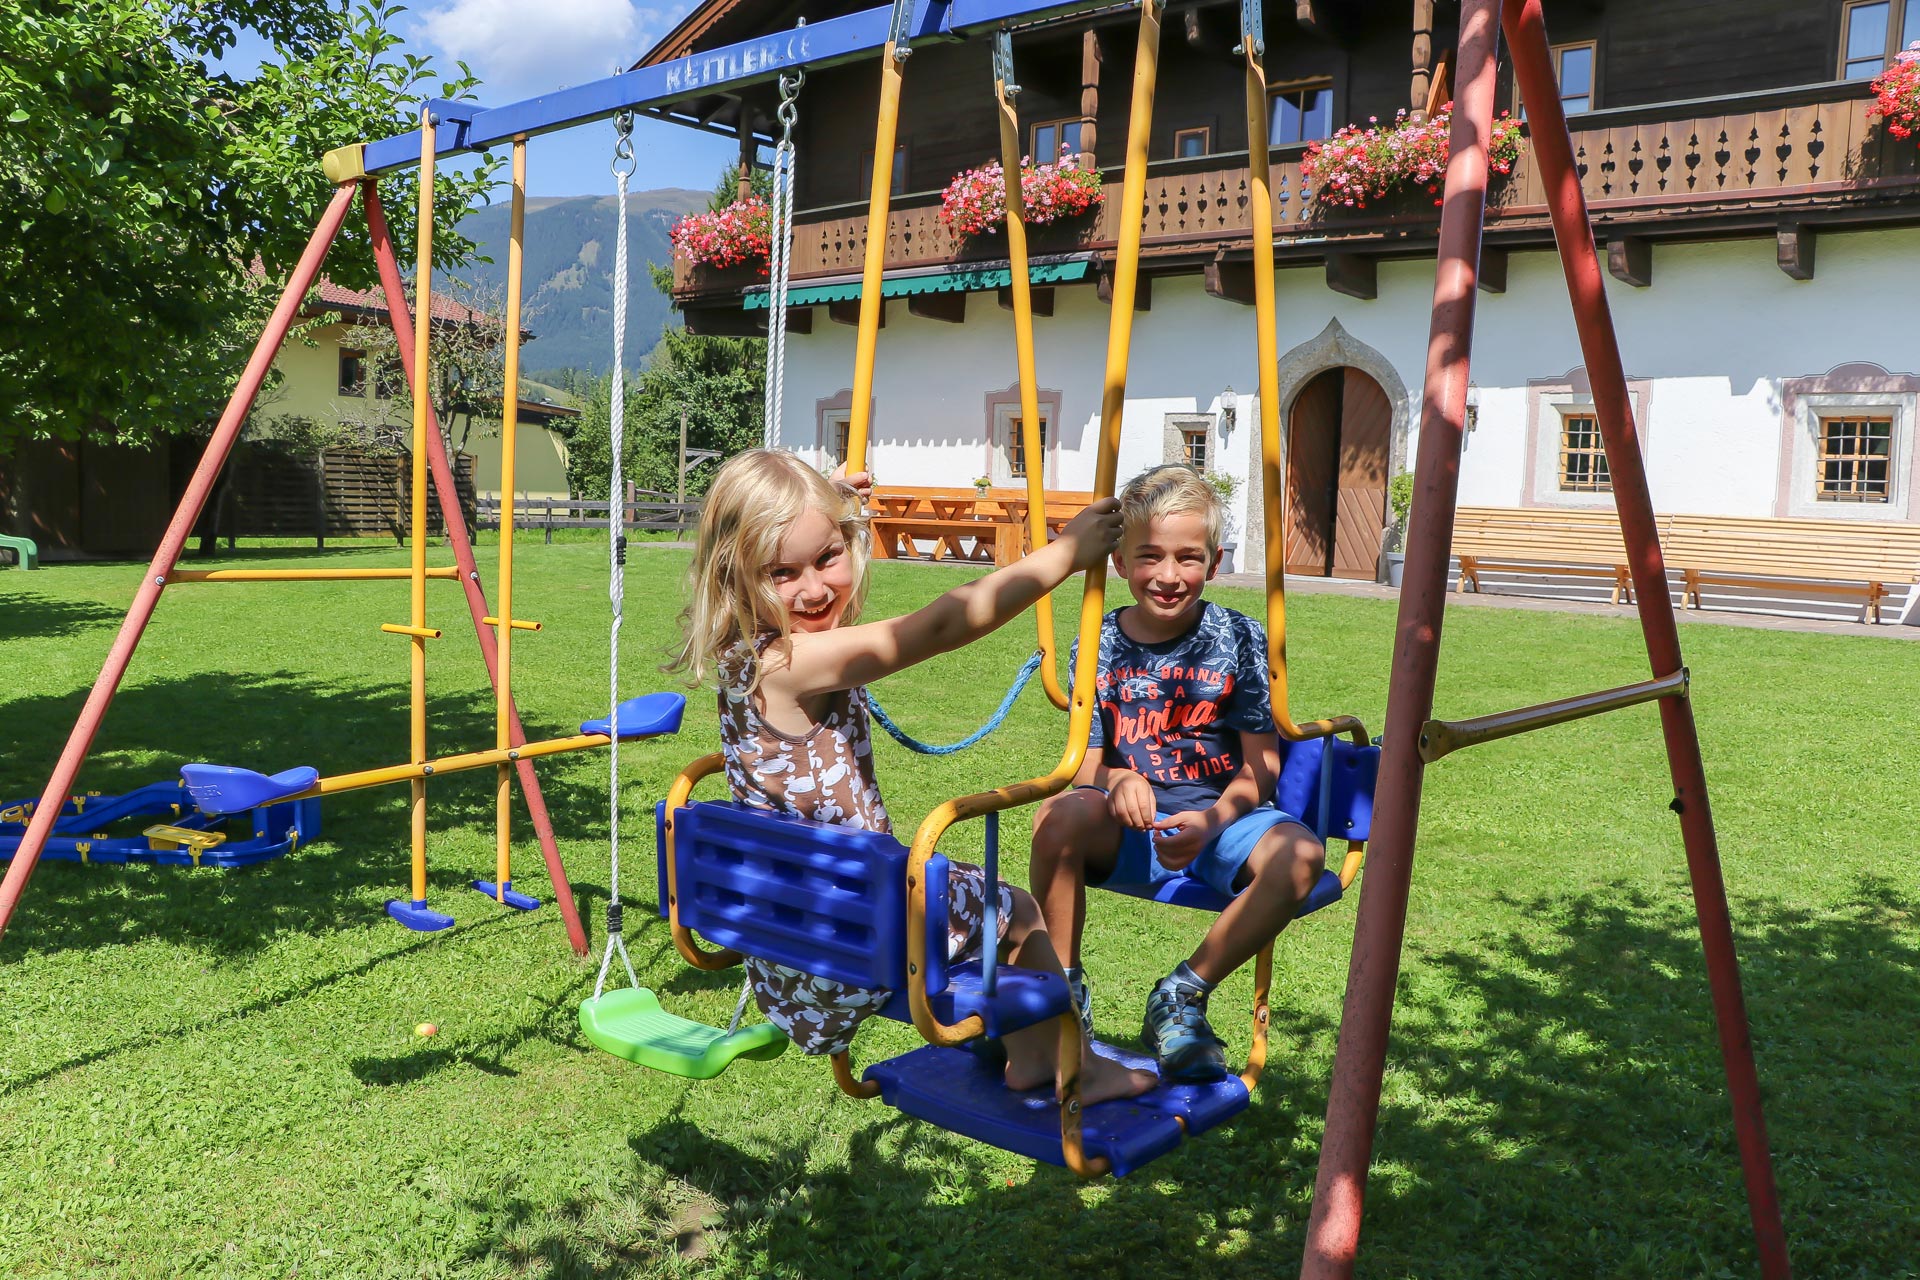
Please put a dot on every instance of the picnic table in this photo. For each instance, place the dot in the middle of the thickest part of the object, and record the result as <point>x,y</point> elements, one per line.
<point>961,524</point>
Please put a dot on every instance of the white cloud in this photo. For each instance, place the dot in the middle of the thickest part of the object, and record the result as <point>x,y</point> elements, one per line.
<point>520,48</point>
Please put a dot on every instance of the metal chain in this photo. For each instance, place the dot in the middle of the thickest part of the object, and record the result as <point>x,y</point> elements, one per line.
<point>780,254</point>
<point>624,165</point>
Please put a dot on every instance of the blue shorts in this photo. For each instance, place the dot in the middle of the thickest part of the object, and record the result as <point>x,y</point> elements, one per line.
<point>1218,864</point>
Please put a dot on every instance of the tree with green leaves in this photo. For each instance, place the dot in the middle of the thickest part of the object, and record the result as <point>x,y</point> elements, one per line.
<point>154,200</point>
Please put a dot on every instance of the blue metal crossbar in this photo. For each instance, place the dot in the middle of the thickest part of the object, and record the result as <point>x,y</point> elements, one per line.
<point>466,127</point>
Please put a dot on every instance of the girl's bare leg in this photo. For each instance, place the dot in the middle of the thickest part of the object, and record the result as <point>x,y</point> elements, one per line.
<point>1033,1053</point>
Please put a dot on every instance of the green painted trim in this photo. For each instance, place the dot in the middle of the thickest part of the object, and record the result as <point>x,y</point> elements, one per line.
<point>949,280</point>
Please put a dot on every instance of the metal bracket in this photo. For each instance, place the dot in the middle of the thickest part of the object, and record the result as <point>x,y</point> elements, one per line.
<point>900,29</point>
<point>1003,63</point>
<point>1252,28</point>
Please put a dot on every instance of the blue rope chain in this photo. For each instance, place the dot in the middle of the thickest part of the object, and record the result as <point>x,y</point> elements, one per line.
<point>999,717</point>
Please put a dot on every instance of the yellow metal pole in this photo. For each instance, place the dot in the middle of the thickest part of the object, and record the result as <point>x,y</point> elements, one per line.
<point>1031,443</point>
<point>1272,477</point>
<point>509,427</point>
<point>879,201</point>
<point>386,775</point>
<point>1133,198</point>
<point>422,318</point>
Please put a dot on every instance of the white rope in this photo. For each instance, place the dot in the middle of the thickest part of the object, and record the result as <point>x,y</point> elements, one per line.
<point>746,989</point>
<point>780,256</point>
<point>623,167</point>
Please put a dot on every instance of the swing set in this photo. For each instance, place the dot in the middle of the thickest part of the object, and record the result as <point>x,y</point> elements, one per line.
<point>860,908</point>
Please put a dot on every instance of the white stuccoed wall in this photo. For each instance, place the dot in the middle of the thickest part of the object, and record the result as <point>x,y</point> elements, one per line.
<point>1714,335</point>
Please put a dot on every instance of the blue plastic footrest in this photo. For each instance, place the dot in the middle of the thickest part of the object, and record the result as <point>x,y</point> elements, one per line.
<point>641,717</point>
<point>216,788</point>
<point>965,1093</point>
<point>418,916</point>
<point>507,894</point>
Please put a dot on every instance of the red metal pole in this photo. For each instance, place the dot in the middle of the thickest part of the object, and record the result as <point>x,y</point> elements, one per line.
<point>1353,1102</point>
<point>60,785</point>
<point>456,526</point>
<point>1553,154</point>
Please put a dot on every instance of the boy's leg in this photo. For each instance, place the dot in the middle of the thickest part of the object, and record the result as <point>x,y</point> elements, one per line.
<point>1269,881</point>
<point>1282,869</point>
<point>1075,840</point>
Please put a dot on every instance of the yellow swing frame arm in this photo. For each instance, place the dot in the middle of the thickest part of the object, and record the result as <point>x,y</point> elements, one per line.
<point>1272,469</point>
<point>1092,604</point>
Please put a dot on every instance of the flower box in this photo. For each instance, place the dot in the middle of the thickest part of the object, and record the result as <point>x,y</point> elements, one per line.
<point>740,235</point>
<point>975,202</point>
<point>1896,94</point>
<point>1385,167</point>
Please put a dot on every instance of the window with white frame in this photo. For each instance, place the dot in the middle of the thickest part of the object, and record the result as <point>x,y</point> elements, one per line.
<point>1847,444</point>
<point>835,426</point>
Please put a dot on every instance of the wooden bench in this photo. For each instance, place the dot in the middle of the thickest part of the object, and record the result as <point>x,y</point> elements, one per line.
<point>1849,558</point>
<point>1863,559</point>
<point>1563,543</point>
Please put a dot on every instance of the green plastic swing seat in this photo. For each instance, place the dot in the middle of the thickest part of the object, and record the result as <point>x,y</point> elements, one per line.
<point>629,1023</point>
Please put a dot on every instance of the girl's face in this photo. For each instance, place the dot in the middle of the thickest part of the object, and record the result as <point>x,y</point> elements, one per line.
<point>812,573</point>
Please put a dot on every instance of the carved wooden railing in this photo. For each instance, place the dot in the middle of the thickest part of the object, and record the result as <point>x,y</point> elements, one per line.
<point>1811,146</point>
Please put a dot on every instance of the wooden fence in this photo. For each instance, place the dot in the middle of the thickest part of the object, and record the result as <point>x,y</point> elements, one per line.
<point>645,510</point>
<point>341,493</point>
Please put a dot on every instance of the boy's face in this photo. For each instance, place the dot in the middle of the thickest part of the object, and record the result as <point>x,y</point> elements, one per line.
<point>1167,564</point>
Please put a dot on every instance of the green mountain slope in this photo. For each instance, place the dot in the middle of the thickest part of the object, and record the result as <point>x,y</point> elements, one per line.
<point>568,301</point>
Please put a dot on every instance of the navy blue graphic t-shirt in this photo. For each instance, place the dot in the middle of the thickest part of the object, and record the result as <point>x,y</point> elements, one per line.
<point>1173,712</point>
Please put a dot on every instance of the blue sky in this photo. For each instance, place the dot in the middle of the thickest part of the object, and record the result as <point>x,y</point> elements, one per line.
<point>520,49</point>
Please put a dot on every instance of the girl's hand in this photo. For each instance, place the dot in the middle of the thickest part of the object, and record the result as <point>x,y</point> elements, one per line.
<point>861,482</point>
<point>1093,535</point>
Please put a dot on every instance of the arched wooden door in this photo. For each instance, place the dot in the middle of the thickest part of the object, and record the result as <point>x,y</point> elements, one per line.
<point>1337,440</point>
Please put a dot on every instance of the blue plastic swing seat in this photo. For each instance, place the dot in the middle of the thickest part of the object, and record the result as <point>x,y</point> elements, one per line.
<point>218,788</point>
<point>641,717</point>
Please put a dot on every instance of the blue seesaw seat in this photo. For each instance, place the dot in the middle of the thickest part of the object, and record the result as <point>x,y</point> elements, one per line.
<point>641,717</point>
<point>218,788</point>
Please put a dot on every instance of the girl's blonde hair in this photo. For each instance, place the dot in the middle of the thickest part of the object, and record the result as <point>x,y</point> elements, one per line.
<point>754,501</point>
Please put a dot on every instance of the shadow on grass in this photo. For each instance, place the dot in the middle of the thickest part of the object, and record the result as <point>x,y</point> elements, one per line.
<point>28,615</point>
<point>269,721</point>
<point>1555,1104</point>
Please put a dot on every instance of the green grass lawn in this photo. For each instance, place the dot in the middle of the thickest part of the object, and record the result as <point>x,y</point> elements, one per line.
<point>215,1073</point>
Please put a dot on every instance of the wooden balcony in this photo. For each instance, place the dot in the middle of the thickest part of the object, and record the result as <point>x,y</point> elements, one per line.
<point>1799,158</point>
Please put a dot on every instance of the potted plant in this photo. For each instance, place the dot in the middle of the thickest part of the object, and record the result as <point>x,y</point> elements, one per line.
<point>981,484</point>
<point>1226,486</point>
<point>1362,166</point>
<point>1896,94</point>
<point>1400,499</point>
<point>975,202</point>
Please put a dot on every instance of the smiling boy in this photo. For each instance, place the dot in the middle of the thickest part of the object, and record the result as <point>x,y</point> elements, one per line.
<point>1180,768</point>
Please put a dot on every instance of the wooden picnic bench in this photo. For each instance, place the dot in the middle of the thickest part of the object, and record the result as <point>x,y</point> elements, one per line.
<point>1849,558</point>
<point>961,523</point>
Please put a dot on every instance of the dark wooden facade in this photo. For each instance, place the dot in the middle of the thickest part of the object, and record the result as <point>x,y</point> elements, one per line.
<point>1712,118</point>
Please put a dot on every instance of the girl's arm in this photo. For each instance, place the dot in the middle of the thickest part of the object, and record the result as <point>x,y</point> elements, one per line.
<point>822,662</point>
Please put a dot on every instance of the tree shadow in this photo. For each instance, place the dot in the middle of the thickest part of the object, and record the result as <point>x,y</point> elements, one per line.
<point>268,721</point>
<point>28,615</point>
<point>1554,1104</point>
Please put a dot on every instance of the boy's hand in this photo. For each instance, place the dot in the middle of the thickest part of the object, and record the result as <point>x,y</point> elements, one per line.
<point>1179,838</point>
<point>1130,800</point>
<point>1091,537</point>
<point>861,482</point>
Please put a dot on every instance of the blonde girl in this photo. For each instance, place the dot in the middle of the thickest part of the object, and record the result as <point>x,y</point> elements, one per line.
<point>775,592</point>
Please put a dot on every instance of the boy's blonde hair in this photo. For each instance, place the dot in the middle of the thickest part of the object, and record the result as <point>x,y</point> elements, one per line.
<point>1172,489</point>
<point>754,501</point>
